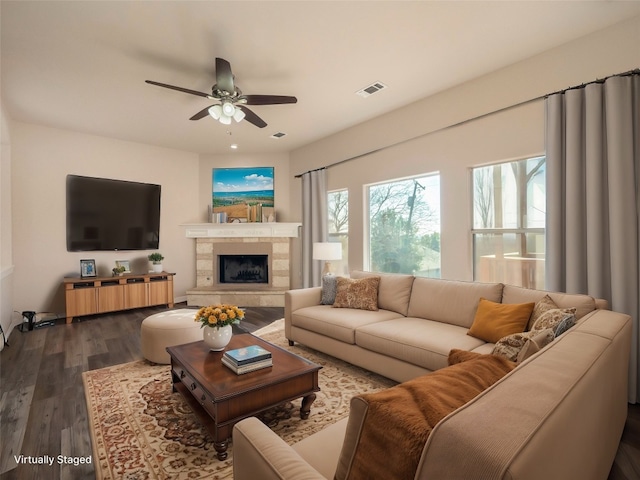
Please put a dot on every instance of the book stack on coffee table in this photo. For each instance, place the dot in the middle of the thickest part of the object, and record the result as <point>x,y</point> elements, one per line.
<point>247,359</point>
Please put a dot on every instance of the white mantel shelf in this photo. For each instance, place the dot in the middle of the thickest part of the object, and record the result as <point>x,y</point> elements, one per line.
<point>241,230</point>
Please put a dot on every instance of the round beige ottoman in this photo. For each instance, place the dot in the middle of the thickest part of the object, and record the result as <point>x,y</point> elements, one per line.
<point>162,330</point>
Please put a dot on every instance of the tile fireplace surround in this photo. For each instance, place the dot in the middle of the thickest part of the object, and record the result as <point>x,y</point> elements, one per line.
<point>213,240</point>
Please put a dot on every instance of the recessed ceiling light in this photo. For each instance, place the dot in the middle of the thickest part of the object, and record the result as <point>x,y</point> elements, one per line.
<point>234,146</point>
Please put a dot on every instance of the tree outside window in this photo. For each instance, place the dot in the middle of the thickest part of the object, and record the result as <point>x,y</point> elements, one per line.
<point>338,213</point>
<point>404,226</point>
<point>509,209</point>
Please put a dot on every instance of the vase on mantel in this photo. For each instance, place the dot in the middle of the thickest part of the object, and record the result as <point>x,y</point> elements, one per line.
<point>216,338</point>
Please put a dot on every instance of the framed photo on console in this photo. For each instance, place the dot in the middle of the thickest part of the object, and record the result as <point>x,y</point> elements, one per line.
<point>125,264</point>
<point>88,268</point>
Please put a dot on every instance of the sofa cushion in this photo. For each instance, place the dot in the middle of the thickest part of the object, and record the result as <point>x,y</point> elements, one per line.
<point>496,320</point>
<point>450,301</point>
<point>329,286</point>
<point>583,303</point>
<point>338,324</point>
<point>360,293</point>
<point>394,290</point>
<point>415,340</point>
<point>512,345</point>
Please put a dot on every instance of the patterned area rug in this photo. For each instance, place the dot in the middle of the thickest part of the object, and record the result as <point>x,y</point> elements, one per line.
<point>141,430</point>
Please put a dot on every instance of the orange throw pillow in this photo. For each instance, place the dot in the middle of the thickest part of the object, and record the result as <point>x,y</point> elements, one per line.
<point>496,320</point>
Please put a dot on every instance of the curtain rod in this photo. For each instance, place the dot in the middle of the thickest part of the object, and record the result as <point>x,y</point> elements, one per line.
<point>635,71</point>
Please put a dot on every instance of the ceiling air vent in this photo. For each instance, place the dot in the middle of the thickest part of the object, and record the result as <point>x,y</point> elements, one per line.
<point>278,135</point>
<point>371,89</point>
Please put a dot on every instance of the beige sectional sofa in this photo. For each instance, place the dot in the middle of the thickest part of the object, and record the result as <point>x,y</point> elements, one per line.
<point>558,415</point>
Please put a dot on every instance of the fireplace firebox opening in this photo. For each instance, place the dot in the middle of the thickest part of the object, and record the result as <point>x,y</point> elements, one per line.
<point>243,268</point>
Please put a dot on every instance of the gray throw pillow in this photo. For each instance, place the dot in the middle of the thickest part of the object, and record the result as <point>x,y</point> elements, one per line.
<point>329,286</point>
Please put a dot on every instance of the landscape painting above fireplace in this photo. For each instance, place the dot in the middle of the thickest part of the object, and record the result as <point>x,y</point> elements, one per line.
<point>241,192</point>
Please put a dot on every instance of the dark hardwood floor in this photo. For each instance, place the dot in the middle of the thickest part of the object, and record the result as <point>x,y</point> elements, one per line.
<point>42,404</point>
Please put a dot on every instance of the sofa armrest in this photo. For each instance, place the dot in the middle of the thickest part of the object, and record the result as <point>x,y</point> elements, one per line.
<point>259,453</point>
<point>297,299</point>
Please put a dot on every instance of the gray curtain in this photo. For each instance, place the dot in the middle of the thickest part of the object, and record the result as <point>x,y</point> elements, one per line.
<point>593,198</point>
<point>314,223</point>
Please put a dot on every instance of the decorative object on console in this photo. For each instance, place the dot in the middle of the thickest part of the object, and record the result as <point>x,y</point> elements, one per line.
<point>118,271</point>
<point>216,320</point>
<point>327,251</point>
<point>88,268</point>
<point>126,268</point>
<point>156,258</point>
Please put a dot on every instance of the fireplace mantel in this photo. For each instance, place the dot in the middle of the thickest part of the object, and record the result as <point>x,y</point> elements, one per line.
<point>241,230</point>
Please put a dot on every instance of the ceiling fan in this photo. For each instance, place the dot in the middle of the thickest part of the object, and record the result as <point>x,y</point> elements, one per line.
<point>233,104</point>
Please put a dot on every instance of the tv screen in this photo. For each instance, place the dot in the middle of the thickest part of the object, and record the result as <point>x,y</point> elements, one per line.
<point>104,214</point>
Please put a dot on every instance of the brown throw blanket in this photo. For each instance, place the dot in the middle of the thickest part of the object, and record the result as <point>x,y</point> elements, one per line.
<point>399,420</point>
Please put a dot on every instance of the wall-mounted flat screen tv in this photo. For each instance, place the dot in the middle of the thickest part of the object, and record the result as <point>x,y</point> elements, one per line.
<point>105,214</point>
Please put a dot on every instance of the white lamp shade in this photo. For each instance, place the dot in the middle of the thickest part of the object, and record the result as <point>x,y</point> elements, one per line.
<point>215,111</point>
<point>228,109</point>
<point>224,119</point>
<point>327,251</point>
<point>239,115</point>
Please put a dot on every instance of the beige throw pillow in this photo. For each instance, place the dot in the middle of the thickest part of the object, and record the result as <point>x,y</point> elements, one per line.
<point>359,293</point>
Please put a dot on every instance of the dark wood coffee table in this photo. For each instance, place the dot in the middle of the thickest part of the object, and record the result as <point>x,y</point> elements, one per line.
<point>221,398</point>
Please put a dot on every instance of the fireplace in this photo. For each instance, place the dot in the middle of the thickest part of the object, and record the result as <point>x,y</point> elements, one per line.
<point>256,260</point>
<point>243,269</point>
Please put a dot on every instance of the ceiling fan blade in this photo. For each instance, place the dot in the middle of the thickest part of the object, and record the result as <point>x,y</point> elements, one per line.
<point>269,99</point>
<point>252,117</point>
<point>224,77</point>
<point>202,113</point>
<point>180,89</point>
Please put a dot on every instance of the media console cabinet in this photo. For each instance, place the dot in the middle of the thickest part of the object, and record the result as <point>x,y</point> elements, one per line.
<point>89,296</point>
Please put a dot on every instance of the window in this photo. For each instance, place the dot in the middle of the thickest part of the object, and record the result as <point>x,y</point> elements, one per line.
<point>338,209</point>
<point>404,226</point>
<point>509,206</point>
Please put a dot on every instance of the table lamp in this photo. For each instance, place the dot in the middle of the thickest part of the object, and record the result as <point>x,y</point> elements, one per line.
<point>327,251</point>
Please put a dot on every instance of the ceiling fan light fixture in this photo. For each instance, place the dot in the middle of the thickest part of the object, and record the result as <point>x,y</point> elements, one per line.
<point>225,119</point>
<point>215,111</point>
<point>239,115</point>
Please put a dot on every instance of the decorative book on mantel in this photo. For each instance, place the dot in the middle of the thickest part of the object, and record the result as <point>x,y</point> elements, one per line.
<point>247,359</point>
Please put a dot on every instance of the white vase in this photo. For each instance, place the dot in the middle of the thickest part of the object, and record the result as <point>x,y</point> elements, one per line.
<point>217,338</point>
<point>157,267</point>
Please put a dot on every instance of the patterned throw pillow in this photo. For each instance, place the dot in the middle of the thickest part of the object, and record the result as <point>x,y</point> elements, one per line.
<point>359,293</point>
<point>510,346</point>
<point>554,318</point>
<point>543,305</point>
<point>329,285</point>
<point>536,343</point>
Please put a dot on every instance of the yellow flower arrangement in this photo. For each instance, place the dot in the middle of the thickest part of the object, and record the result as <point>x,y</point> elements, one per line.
<point>219,315</point>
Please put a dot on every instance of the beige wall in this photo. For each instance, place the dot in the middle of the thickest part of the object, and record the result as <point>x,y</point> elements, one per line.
<point>6,258</point>
<point>515,133</point>
<point>41,159</point>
